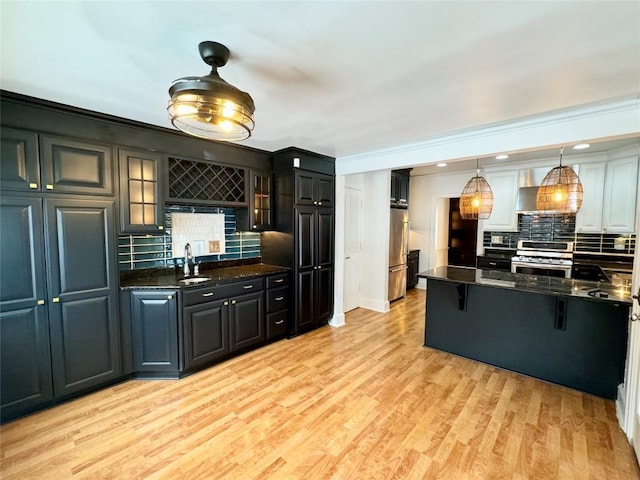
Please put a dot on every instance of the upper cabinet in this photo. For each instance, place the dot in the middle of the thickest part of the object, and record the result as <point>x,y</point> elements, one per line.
<point>313,189</point>
<point>20,167</point>
<point>142,191</point>
<point>59,165</point>
<point>260,202</point>
<point>399,188</point>
<point>609,202</point>
<point>503,218</point>
<point>200,182</point>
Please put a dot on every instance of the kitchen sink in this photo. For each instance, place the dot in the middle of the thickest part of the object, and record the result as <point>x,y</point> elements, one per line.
<point>192,281</point>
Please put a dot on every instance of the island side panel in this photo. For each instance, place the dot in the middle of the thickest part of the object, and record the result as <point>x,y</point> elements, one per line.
<point>573,342</point>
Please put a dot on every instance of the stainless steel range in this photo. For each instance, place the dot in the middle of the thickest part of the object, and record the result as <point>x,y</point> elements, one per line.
<point>552,259</point>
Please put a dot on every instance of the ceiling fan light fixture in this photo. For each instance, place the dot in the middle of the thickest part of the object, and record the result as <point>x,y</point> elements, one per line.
<point>209,107</point>
<point>476,199</point>
<point>560,191</point>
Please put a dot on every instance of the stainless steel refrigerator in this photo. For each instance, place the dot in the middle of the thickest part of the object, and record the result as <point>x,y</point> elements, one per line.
<point>398,249</point>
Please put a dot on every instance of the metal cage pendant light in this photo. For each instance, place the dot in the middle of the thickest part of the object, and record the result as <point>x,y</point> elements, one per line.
<point>208,107</point>
<point>476,199</point>
<point>560,191</point>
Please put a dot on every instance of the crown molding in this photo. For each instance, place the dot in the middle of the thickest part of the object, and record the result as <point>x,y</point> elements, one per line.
<point>601,120</point>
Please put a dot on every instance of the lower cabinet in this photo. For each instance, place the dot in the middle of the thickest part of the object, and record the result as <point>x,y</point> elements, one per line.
<point>413,259</point>
<point>278,300</point>
<point>206,333</point>
<point>155,330</point>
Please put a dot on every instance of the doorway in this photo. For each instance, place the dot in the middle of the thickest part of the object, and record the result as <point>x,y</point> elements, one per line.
<point>462,237</point>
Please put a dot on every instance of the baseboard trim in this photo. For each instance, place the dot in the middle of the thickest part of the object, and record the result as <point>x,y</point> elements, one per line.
<point>375,305</point>
<point>337,320</point>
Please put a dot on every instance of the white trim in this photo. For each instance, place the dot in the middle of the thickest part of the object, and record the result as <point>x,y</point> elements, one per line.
<point>374,304</point>
<point>612,119</point>
<point>337,320</point>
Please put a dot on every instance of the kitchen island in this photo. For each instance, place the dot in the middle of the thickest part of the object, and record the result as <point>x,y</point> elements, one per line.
<point>565,331</point>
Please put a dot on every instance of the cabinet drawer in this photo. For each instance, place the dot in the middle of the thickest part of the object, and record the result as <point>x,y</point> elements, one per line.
<point>278,280</point>
<point>208,294</point>
<point>277,324</point>
<point>277,299</point>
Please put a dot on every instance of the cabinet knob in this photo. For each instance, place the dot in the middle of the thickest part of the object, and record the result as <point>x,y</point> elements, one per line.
<point>169,297</point>
<point>40,302</point>
<point>319,203</point>
<point>49,186</point>
<point>233,302</point>
<point>315,203</point>
<point>160,227</point>
<point>33,185</point>
<point>55,300</point>
<point>634,317</point>
<point>226,303</point>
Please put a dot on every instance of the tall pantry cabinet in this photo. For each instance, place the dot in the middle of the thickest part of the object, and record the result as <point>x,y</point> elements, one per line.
<point>303,238</point>
<point>59,329</point>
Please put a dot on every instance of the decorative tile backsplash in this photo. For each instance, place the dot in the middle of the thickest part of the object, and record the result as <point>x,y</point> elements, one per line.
<point>147,251</point>
<point>560,228</point>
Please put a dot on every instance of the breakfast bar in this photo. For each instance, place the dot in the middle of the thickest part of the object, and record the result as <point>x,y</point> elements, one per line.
<point>569,332</point>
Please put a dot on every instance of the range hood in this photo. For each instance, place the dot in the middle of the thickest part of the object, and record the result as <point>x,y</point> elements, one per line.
<point>526,202</point>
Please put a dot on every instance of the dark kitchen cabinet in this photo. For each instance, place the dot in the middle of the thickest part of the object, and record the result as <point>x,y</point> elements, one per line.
<point>60,332</point>
<point>314,189</point>
<point>19,162</point>
<point>82,284</point>
<point>399,188</point>
<point>259,216</point>
<point>246,320</point>
<point>74,166</point>
<point>142,191</point>
<point>206,335</point>
<point>278,301</point>
<point>221,319</point>
<point>155,331</point>
<point>304,241</point>
<point>25,364</point>
<point>413,260</point>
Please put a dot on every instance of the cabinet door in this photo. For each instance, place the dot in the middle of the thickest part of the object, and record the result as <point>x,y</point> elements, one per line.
<point>19,166</point>
<point>324,237</point>
<point>155,331</point>
<point>206,335</point>
<point>70,166</point>
<point>620,189</point>
<point>323,295</point>
<point>25,359</point>
<point>504,186</point>
<point>142,192</point>
<point>324,190</point>
<point>304,188</point>
<point>589,217</point>
<point>402,191</point>
<point>260,207</point>
<point>305,293</point>
<point>305,225</point>
<point>246,320</point>
<point>83,280</point>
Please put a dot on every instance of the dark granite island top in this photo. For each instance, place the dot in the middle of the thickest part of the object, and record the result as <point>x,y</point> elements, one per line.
<point>532,283</point>
<point>171,278</point>
<point>548,328</point>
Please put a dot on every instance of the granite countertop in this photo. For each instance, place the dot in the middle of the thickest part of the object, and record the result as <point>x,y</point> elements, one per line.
<point>168,278</point>
<point>531,283</point>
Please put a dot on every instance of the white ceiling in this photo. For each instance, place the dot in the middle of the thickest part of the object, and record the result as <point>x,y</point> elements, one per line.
<point>335,77</point>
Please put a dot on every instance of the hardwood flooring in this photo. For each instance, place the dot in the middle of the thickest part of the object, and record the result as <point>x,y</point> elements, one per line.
<point>364,401</point>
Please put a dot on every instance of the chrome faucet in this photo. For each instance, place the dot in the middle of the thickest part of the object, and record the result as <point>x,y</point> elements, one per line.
<point>187,256</point>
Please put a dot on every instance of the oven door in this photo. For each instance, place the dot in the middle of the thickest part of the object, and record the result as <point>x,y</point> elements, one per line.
<point>546,270</point>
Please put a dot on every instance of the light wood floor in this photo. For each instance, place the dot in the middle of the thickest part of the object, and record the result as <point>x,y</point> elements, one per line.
<point>364,401</point>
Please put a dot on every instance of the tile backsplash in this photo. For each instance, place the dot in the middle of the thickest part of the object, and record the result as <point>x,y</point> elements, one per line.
<point>147,251</point>
<point>558,228</point>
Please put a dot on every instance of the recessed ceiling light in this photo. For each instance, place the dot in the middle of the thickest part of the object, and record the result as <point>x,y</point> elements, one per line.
<point>503,156</point>
<point>441,164</point>
<point>581,146</point>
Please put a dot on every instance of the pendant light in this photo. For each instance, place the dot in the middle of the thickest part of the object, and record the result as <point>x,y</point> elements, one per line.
<point>476,200</point>
<point>560,191</point>
<point>208,107</point>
